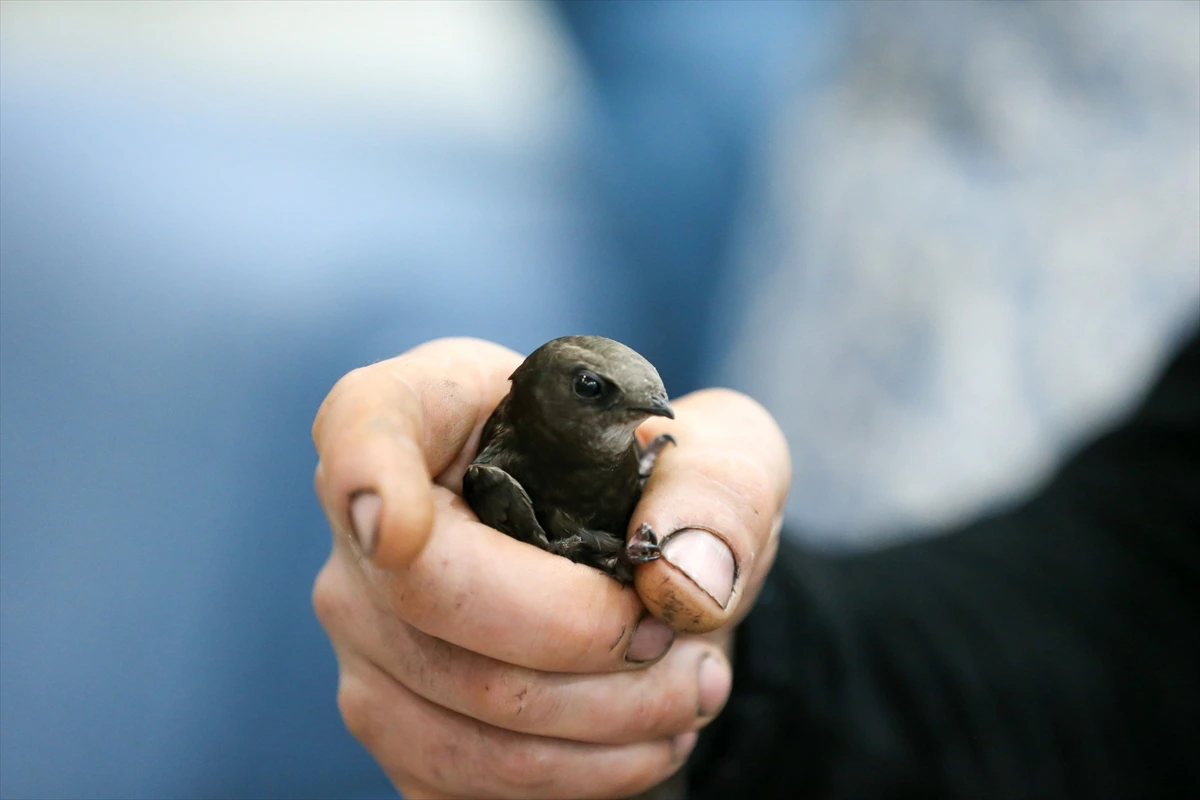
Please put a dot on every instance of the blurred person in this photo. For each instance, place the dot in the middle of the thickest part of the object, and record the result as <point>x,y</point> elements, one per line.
<point>210,211</point>
<point>973,241</point>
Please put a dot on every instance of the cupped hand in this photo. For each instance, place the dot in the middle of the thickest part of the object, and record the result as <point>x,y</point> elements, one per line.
<point>474,665</point>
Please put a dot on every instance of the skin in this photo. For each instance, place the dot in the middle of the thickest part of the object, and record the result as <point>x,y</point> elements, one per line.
<point>464,680</point>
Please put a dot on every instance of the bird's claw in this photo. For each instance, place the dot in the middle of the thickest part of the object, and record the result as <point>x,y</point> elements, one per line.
<point>642,547</point>
<point>649,456</point>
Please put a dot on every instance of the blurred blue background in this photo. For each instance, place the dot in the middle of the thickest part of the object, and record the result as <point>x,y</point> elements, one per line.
<point>940,243</point>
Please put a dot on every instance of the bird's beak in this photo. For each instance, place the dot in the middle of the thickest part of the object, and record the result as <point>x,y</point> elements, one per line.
<point>658,406</point>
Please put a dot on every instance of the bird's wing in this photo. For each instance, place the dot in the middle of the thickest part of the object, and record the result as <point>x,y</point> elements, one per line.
<point>499,501</point>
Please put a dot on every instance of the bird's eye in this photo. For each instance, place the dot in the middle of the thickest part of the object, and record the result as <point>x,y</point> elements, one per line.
<point>588,385</point>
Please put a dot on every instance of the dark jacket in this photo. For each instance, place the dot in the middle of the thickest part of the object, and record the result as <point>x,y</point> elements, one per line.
<point>1048,651</point>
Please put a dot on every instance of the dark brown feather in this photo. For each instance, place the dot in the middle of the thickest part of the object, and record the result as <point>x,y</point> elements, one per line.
<point>565,472</point>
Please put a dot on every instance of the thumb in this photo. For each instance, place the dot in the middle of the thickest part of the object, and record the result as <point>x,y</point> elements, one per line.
<point>715,502</point>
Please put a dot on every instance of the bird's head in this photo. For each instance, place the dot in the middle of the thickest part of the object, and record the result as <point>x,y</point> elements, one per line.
<point>589,391</point>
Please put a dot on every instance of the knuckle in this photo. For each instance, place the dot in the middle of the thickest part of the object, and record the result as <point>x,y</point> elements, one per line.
<point>347,382</point>
<point>660,701</point>
<point>357,706</point>
<point>747,481</point>
<point>340,388</point>
<point>744,420</point>
<point>528,766</point>
<point>663,713</point>
<point>330,598</point>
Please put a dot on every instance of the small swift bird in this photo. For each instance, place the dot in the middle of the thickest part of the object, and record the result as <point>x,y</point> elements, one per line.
<point>559,466</point>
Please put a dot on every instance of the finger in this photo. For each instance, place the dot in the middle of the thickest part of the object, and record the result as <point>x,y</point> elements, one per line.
<point>385,429</point>
<point>716,502</point>
<point>421,744</point>
<point>682,692</point>
<point>488,593</point>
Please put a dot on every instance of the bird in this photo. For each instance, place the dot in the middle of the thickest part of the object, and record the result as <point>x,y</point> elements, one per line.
<point>559,465</point>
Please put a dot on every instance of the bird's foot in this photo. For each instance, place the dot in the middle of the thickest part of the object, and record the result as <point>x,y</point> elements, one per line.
<point>649,456</point>
<point>568,547</point>
<point>642,547</point>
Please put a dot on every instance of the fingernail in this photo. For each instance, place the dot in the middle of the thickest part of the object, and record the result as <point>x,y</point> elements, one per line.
<point>650,640</point>
<point>364,519</point>
<point>715,680</point>
<point>681,745</point>
<point>705,559</point>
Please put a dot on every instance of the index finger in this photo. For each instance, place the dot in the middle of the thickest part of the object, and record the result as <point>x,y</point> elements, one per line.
<point>716,502</point>
<point>385,429</point>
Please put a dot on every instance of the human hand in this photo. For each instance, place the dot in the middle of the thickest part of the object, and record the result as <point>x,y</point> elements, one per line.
<point>473,665</point>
